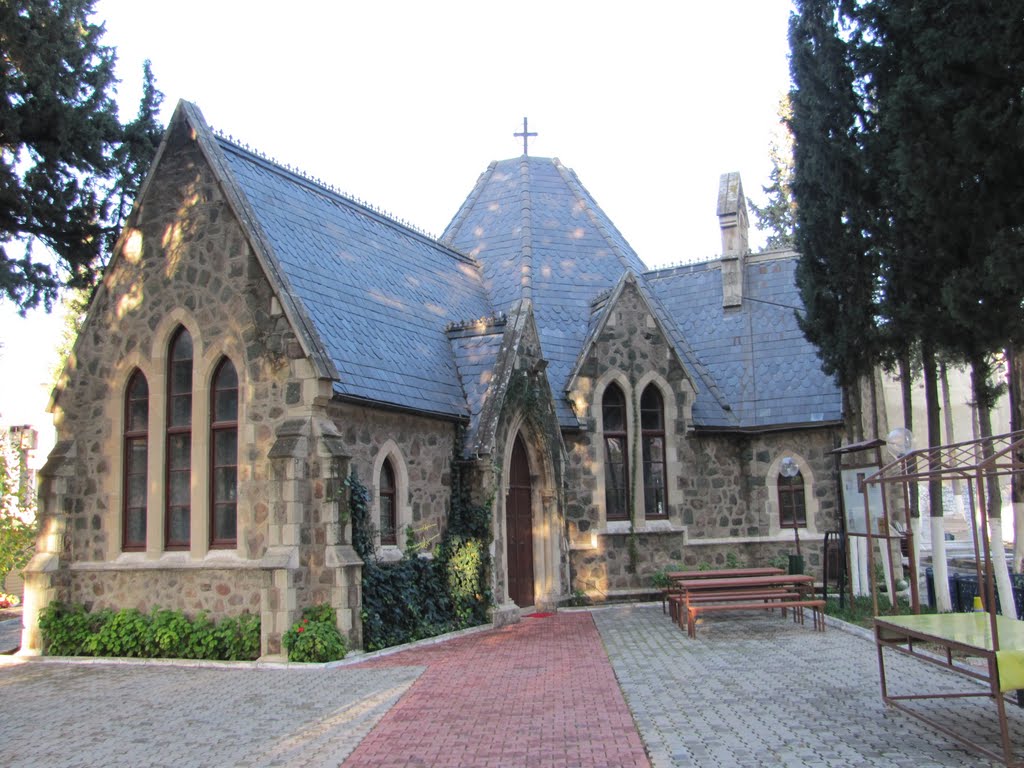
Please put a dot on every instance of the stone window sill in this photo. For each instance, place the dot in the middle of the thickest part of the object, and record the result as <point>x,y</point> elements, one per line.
<point>216,559</point>
<point>621,527</point>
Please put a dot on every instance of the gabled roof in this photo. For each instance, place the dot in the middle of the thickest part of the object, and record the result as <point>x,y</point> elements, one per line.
<point>372,301</point>
<point>540,235</point>
<point>477,347</point>
<point>710,406</point>
<point>766,370</point>
<point>378,295</point>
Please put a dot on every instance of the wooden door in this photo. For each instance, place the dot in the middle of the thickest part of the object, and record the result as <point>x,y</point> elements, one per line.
<point>519,528</point>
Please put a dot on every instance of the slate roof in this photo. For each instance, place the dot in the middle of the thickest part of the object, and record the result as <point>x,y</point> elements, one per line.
<point>767,371</point>
<point>476,357</point>
<point>380,295</point>
<point>539,233</point>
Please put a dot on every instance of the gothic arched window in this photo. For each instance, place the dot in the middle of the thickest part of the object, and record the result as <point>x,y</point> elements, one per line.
<point>224,456</point>
<point>177,522</point>
<point>616,454</point>
<point>792,510</point>
<point>136,454</point>
<point>388,510</point>
<point>652,436</point>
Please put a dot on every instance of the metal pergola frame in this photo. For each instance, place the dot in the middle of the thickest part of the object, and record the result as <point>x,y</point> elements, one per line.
<point>975,462</point>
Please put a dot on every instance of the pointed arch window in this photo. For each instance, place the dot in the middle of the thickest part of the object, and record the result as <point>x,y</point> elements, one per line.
<point>652,438</point>
<point>616,454</point>
<point>792,507</point>
<point>224,456</point>
<point>177,522</point>
<point>136,454</point>
<point>386,493</point>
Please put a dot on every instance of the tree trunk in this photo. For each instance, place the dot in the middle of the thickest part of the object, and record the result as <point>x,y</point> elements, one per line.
<point>907,393</point>
<point>940,570</point>
<point>947,412</point>
<point>980,372</point>
<point>1015,380</point>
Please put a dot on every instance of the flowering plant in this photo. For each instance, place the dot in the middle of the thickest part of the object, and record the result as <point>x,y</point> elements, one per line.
<point>8,601</point>
<point>315,637</point>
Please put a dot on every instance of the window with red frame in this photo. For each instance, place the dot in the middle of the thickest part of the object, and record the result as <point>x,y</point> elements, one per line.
<point>792,511</point>
<point>136,454</point>
<point>224,456</point>
<point>386,495</point>
<point>177,521</point>
<point>616,454</point>
<point>652,438</point>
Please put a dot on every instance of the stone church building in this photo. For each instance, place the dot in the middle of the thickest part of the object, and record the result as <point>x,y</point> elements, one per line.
<point>258,336</point>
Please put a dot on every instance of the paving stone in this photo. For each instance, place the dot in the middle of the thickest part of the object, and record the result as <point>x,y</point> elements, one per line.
<point>582,688</point>
<point>780,693</point>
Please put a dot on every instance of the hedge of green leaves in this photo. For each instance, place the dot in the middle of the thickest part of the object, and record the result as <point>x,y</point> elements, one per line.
<point>415,598</point>
<point>70,630</point>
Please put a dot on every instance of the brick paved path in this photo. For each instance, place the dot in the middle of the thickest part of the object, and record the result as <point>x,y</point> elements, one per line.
<point>541,693</point>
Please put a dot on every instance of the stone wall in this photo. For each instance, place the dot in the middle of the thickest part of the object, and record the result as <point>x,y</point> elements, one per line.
<point>216,592</point>
<point>722,493</point>
<point>184,260</point>
<point>421,451</point>
<point>730,514</point>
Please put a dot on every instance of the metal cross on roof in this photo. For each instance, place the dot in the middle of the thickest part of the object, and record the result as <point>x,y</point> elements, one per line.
<point>526,136</point>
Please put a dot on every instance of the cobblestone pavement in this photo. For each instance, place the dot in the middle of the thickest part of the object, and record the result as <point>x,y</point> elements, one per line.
<point>82,715</point>
<point>751,690</point>
<point>757,690</point>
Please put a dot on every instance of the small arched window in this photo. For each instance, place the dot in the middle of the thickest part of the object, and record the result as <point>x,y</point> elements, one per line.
<point>792,509</point>
<point>136,453</point>
<point>652,428</point>
<point>224,456</point>
<point>616,454</point>
<point>177,523</point>
<point>388,510</point>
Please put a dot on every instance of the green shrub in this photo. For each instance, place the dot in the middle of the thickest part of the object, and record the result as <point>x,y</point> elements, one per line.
<point>65,629</point>
<point>126,633</point>
<point>660,579</point>
<point>463,573</point>
<point>416,597</point>
<point>238,637</point>
<point>315,637</point>
<point>171,631</point>
<point>404,601</point>
<point>72,631</point>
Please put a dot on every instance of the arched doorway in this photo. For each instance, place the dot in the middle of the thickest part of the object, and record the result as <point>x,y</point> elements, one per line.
<point>519,527</point>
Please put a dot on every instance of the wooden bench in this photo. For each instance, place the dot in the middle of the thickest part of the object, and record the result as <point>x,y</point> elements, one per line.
<point>818,607</point>
<point>721,573</point>
<point>678,601</point>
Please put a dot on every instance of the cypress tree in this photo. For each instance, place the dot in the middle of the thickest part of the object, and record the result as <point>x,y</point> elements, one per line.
<point>837,273</point>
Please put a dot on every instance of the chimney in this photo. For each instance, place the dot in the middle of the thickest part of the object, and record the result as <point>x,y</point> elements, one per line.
<point>732,219</point>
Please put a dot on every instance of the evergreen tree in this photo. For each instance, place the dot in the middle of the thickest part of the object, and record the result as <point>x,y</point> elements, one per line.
<point>778,214</point>
<point>837,272</point>
<point>929,168</point>
<point>67,165</point>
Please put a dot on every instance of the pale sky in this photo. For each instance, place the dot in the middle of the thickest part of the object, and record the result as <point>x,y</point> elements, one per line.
<point>404,104</point>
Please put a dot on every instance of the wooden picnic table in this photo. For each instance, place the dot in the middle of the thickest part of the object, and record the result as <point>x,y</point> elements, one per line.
<point>674,576</point>
<point>780,590</point>
<point>724,573</point>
